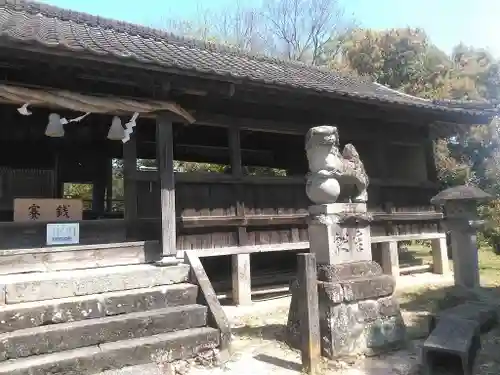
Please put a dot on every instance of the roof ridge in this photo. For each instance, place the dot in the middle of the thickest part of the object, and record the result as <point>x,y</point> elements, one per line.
<point>48,10</point>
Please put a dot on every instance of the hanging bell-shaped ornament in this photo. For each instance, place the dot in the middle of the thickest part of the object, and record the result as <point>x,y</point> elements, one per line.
<point>54,127</point>
<point>116,131</point>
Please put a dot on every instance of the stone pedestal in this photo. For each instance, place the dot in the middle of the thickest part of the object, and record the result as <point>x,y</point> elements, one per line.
<point>358,312</point>
<point>340,233</point>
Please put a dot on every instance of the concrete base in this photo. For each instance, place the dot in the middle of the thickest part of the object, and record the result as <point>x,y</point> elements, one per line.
<point>358,312</point>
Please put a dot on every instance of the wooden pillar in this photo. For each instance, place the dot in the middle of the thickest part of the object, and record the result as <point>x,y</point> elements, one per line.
<point>130,184</point>
<point>440,263</point>
<point>390,258</point>
<point>58,186</point>
<point>165,162</point>
<point>430,159</point>
<point>109,185</point>
<point>99,187</point>
<point>242,286</point>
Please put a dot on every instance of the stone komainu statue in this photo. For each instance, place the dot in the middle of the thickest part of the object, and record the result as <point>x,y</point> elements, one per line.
<point>333,174</point>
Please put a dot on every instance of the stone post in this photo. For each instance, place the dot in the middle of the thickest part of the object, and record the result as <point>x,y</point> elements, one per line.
<point>358,312</point>
<point>462,221</point>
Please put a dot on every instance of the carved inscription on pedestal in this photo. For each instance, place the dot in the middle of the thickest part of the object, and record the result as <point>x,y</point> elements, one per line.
<point>342,241</point>
<point>350,239</point>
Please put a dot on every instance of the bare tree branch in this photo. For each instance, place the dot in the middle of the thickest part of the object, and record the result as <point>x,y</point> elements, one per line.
<point>302,28</point>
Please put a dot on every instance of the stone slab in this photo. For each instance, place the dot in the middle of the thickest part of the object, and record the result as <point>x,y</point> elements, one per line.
<point>52,285</point>
<point>90,360</point>
<point>484,314</point>
<point>338,272</point>
<point>34,314</point>
<point>453,337</point>
<point>368,288</point>
<point>76,257</point>
<point>67,336</point>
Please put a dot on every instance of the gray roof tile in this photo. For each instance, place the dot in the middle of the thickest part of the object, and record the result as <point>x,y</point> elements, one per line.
<point>27,21</point>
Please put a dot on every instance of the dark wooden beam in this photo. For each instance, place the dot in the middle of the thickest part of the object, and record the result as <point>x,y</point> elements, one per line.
<point>82,76</point>
<point>165,160</point>
<point>349,129</point>
<point>237,173</point>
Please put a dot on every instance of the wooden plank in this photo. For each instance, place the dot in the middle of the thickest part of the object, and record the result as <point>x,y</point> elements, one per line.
<point>290,219</point>
<point>216,315</point>
<point>130,184</point>
<point>249,249</point>
<point>165,160</point>
<point>407,237</point>
<point>242,280</point>
<point>309,313</point>
<point>415,269</point>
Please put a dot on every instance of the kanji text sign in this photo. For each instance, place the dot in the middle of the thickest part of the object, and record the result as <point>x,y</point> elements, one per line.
<point>47,210</point>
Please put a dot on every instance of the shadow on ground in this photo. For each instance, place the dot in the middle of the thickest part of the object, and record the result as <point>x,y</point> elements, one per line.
<point>439,298</point>
<point>278,362</point>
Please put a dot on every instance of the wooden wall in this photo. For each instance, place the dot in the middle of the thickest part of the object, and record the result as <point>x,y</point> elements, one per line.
<point>217,210</point>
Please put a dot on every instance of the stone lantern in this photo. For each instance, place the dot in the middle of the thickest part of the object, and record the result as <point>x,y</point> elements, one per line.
<point>462,221</point>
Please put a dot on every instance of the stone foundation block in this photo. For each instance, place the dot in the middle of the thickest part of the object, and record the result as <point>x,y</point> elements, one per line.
<point>351,326</point>
<point>331,293</point>
<point>369,310</point>
<point>368,288</point>
<point>388,306</point>
<point>338,272</point>
<point>347,330</point>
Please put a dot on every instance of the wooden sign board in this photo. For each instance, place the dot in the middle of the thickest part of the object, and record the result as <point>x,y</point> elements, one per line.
<point>47,210</point>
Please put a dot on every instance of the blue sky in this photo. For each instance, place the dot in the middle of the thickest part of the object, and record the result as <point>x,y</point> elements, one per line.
<point>446,21</point>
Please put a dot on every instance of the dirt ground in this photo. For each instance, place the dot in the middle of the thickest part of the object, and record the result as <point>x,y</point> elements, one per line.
<point>258,333</point>
<point>258,343</point>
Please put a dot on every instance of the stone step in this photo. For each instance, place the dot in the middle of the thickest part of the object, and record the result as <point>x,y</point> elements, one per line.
<point>94,359</point>
<point>41,286</point>
<point>70,309</point>
<point>73,335</point>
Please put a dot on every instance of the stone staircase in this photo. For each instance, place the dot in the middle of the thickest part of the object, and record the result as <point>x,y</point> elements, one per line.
<point>91,320</point>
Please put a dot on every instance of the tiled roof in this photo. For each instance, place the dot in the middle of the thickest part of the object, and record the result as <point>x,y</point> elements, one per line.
<point>49,26</point>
